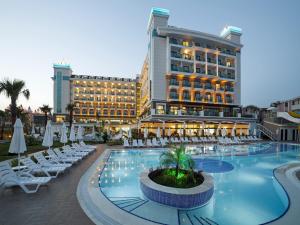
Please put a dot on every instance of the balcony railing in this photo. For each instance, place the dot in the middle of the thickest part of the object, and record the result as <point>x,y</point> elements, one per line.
<point>227,76</point>
<point>197,85</point>
<point>201,71</point>
<point>186,97</point>
<point>208,86</point>
<point>229,89</point>
<point>174,83</point>
<point>181,69</point>
<point>174,96</point>
<point>200,58</point>
<point>186,84</point>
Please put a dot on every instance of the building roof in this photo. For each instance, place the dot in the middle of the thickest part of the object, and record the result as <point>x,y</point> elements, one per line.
<point>165,31</point>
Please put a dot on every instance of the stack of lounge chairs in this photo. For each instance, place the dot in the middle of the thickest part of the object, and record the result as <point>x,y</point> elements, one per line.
<point>46,166</point>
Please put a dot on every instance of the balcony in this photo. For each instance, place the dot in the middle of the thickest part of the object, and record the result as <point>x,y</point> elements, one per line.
<point>211,73</point>
<point>208,86</point>
<point>226,76</point>
<point>197,85</point>
<point>174,83</point>
<point>181,69</point>
<point>176,55</point>
<point>173,96</point>
<point>211,60</point>
<point>200,58</point>
<point>186,84</point>
<point>229,100</point>
<point>186,97</point>
<point>200,70</point>
<point>229,89</point>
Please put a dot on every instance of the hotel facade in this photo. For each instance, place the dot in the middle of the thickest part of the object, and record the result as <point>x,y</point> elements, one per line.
<point>188,78</point>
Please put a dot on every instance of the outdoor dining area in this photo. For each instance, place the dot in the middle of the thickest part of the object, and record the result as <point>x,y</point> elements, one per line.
<point>222,134</point>
<point>41,167</point>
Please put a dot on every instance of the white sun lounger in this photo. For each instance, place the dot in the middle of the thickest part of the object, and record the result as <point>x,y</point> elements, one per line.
<point>10,178</point>
<point>50,163</point>
<point>87,146</point>
<point>134,143</point>
<point>154,142</point>
<point>68,158</point>
<point>126,143</point>
<point>149,143</point>
<point>55,157</point>
<point>140,143</point>
<point>33,168</point>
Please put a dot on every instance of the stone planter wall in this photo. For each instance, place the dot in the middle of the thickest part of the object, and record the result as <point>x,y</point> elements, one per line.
<point>177,197</point>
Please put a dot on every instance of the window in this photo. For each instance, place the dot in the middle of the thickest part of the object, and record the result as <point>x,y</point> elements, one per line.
<point>174,110</point>
<point>160,109</point>
<point>185,43</point>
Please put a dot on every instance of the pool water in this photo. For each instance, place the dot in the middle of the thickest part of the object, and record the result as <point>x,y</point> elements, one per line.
<point>246,191</point>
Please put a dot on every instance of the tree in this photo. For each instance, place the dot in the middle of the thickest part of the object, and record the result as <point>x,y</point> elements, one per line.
<point>70,108</point>
<point>46,109</point>
<point>177,157</point>
<point>13,90</point>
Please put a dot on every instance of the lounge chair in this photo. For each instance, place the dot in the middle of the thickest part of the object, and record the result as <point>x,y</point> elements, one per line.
<point>50,163</point>
<point>140,143</point>
<point>10,178</point>
<point>79,148</point>
<point>162,142</point>
<point>166,140</point>
<point>87,146</point>
<point>66,157</point>
<point>126,143</point>
<point>186,140</point>
<point>55,157</point>
<point>154,142</point>
<point>134,143</point>
<point>75,151</point>
<point>34,168</point>
<point>149,143</point>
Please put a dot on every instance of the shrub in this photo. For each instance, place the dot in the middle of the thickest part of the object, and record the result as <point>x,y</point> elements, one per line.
<point>115,142</point>
<point>31,141</point>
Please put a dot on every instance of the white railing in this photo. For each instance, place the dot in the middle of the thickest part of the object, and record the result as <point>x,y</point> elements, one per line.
<point>266,131</point>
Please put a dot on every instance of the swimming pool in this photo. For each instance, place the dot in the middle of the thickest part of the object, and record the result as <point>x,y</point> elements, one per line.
<point>246,192</point>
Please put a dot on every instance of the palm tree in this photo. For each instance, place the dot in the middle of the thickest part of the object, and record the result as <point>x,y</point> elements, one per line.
<point>46,109</point>
<point>70,108</point>
<point>13,89</point>
<point>178,158</point>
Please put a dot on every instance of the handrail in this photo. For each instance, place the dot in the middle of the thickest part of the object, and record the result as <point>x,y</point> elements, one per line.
<point>266,131</point>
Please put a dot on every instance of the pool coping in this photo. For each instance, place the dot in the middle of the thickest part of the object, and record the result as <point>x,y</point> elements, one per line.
<point>286,176</point>
<point>96,205</point>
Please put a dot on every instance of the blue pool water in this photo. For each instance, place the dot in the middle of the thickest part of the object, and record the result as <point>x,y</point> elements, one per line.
<point>246,191</point>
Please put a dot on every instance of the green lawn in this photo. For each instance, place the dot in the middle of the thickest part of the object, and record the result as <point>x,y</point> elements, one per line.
<point>4,155</point>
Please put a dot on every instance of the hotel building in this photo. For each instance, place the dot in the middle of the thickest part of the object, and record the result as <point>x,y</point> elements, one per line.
<point>188,77</point>
<point>96,98</point>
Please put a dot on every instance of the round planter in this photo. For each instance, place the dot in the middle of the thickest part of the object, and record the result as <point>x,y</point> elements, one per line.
<point>178,197</point>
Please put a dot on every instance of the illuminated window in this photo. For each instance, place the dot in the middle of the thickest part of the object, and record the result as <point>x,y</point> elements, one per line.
<point>185,43</point>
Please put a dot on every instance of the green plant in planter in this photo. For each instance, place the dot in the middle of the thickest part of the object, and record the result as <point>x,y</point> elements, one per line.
<point>178,158</point>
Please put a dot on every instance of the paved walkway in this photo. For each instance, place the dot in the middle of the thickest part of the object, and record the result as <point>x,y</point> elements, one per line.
<point>54,204</point>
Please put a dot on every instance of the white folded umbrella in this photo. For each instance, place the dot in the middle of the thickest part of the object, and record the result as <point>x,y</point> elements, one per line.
<point>145,133</point>
<point>72,134</point>
<point>79,134</point>
<point>158,134</point>
<point>48,136</point>
<point>63,134</point>
<point>17,144</point>
<point>169,132</point>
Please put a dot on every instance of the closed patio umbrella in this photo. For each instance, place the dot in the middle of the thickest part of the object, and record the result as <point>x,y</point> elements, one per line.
<point>254,132</point>
<point>233,132</point>
<point>158,134</point>
<point>93,133</point>
<point>48,136</point>
<point>32,130</point>
<point>169,132</point>
<point>79,134</point>
<point>218,130</point>
<point>17,144</point>
<point>241,132</point>
<point>145,133</point>
<point>72,134</point>
<point>129,133</point>
<point>63,135</point>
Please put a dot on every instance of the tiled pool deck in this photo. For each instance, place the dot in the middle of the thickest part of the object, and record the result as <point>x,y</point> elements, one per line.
<point>54,204</point>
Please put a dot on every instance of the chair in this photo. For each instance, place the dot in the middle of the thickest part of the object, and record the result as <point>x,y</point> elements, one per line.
<point>134,143</point>
<point>87,146</point>
<point>162,142</point>
<point>140,143</point>
<point>50,163</point>
<point>68,158</point>
<point>149,143</point>
<point>126,143</point>
<point>154,142</point>
<point>9,178</point>
<point>33,168</point>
